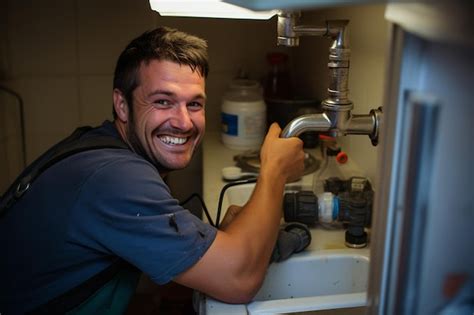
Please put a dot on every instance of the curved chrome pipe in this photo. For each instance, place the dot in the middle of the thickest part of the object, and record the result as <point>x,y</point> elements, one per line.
<point>337,124</point>
<point>310,122</point>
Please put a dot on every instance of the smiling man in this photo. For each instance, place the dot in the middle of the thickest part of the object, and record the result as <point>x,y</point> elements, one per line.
<point>77,239</point>
<point>167,122</point>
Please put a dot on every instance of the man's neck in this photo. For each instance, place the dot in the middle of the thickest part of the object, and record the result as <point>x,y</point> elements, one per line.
<point>122,130</point>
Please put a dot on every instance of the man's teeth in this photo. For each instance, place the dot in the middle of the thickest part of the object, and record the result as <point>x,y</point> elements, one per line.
<point>173,140</point>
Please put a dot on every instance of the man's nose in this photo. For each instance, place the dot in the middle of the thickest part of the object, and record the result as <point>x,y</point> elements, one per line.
<point>181,118</point>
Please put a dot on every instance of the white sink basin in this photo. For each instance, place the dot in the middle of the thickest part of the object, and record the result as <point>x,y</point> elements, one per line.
<point>313,281</point>
<point>311,275</point>
<point>323,277</point>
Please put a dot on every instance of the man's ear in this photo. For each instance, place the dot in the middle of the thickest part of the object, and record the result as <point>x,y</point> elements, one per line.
<point>120,106</point>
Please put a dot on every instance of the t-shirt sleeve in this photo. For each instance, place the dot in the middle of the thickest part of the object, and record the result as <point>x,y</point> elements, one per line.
<point>126,209</point>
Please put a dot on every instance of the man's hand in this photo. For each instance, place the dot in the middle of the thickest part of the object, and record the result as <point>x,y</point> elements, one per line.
<point>284,156</point>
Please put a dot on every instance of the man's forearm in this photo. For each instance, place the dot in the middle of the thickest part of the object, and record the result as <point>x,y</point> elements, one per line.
<point>257,224</point>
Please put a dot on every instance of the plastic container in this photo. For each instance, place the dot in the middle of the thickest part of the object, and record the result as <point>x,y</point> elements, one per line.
<point>327,206</point>
<point>332,178</point>
<point>243,116</point>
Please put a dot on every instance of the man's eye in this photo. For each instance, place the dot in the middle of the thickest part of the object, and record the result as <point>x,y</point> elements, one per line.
<point>162,103</point>
<point>196,105</point>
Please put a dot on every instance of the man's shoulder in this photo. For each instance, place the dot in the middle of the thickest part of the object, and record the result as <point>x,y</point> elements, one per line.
<point>118,161</point>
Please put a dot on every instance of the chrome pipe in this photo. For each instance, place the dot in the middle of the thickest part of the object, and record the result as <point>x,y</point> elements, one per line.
<point>285,29</point>
<point>337,118</point>
<point>361,125</point>
<point>310,30</point>
<point>337,31</point>
<point>310,122</point>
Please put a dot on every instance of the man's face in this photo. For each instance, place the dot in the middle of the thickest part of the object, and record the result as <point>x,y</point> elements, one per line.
<point>168,113</point>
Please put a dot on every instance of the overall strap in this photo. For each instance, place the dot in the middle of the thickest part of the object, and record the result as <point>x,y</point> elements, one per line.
<point>77,295</point>
<point>73,144</point>
<point>78,141</point>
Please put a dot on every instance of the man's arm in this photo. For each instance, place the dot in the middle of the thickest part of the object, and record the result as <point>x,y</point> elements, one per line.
<point>231,213</point>
<point>233,268</point>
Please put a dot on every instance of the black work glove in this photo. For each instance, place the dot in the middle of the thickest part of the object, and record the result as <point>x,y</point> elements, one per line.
<point>292,238</point>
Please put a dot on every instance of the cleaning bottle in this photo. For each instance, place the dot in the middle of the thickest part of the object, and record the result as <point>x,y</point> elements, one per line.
<point>243,115</point>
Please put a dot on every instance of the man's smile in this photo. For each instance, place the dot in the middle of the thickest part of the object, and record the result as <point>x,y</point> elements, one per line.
<point>173,140</point>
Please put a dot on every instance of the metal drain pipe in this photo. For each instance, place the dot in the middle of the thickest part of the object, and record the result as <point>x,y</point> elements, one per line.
<point>337,118</point>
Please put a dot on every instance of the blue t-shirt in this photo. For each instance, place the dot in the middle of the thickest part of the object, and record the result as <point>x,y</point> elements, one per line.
<point>83,213</point>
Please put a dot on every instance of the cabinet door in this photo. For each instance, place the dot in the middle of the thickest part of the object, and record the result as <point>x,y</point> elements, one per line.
<point>422,258</point>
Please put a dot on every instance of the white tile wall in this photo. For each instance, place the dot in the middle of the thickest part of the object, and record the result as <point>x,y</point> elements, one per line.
<point>4,65</point>
<point>11,154</point>
<point>41,37</point>
<point>51,110</point>
<point>4,170</point>
<point>104,28</point>
<point>95,99</point>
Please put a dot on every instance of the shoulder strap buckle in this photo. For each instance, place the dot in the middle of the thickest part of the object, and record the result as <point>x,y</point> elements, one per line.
<point>22,187</point>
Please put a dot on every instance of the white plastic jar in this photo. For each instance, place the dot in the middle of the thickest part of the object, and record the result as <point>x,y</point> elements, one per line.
<point>243,115</point>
